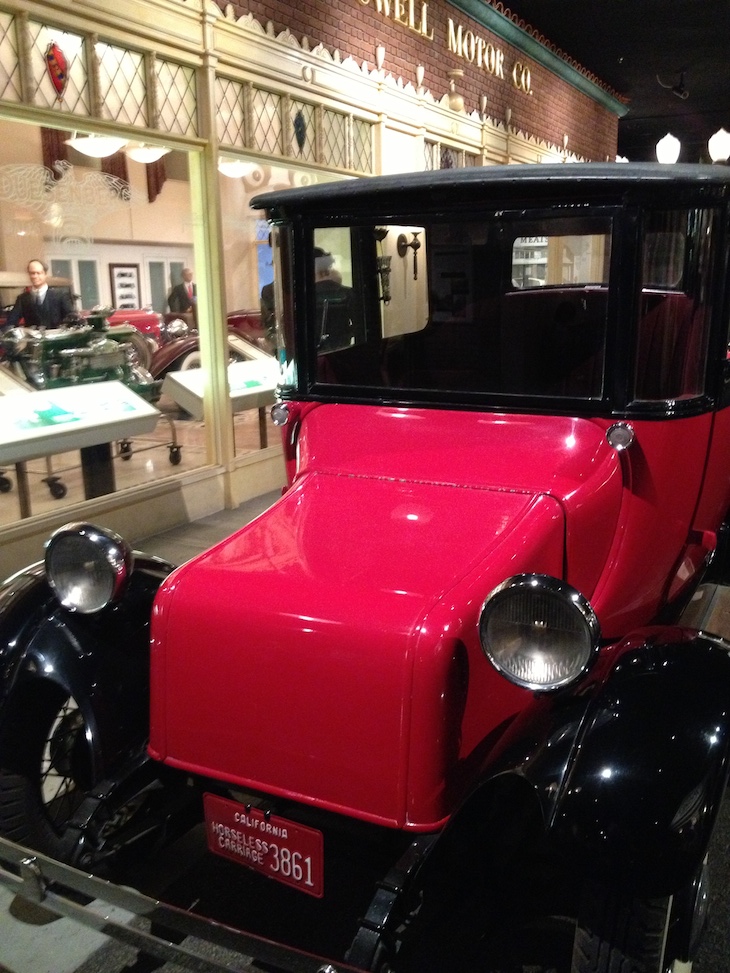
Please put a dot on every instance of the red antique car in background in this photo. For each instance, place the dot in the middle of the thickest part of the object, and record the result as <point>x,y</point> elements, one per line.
<point>173,338</point>
<point>464,689</point>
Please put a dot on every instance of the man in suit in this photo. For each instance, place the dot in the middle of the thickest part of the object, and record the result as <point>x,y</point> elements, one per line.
<point>182,297</point>
<point>40,306</point>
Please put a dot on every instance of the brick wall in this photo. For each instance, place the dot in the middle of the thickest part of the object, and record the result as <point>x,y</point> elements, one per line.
<point>554,107</point>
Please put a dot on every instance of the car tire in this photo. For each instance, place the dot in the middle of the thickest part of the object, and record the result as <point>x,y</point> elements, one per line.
<point>192,359</point>
<point>616,932</point>
<point>50,776</point>
<point>189,360</point>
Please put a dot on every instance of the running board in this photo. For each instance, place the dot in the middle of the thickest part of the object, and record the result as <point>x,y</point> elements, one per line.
<point>152,925</point>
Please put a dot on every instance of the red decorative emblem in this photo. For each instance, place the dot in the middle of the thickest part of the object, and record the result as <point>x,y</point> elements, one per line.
<point>57,68</point>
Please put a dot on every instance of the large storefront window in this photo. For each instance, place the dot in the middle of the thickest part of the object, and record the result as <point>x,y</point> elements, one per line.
<point>253,371</point>
<point>113,251</point>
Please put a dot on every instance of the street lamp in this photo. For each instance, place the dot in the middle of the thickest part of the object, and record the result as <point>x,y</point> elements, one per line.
<point>667,149</point>
<point>719,146</point>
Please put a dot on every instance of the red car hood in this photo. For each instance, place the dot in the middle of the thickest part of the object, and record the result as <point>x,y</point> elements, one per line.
<point>308,654</point>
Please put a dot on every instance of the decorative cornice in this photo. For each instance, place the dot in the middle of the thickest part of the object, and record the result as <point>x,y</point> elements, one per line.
<point>500,20</point>
<point>249,23</point>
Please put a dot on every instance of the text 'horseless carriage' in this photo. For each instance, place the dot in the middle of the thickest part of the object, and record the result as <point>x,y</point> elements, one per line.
<point>478,645</point>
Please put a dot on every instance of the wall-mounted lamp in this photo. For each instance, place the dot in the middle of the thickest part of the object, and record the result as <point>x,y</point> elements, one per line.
<point>383,264</point>
<point>667,149</point>
<point>96,146</point>
<point>403,244</point>
<point>139,152</point>
<point>384,273</point>
<point>719,146</point>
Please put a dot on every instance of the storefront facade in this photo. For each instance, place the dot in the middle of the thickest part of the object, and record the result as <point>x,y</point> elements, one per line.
<point>242,97</point>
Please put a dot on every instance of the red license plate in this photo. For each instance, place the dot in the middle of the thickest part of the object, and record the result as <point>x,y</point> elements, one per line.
<point>284,850</point>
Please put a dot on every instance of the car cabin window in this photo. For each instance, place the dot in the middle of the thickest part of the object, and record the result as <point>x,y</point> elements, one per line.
<point>507,306</point>
<point>674,304</point>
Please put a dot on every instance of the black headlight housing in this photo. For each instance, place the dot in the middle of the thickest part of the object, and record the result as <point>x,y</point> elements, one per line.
<point>87,567</point>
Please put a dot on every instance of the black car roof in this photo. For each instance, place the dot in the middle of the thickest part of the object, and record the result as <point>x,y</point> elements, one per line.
<point>589,177</point>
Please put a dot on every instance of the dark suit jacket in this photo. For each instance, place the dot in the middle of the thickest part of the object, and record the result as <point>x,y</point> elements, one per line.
<point>56,307</point>
<point>334,310</point>
<point>178,300</point>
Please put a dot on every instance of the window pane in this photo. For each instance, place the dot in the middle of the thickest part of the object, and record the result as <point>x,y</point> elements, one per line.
<point>507,306</point>
<point>158,285</point>
<point>89,283</point>
<point>674,312</point>
<point>62,268</point>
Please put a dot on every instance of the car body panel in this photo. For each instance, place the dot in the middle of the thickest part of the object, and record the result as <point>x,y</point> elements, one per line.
<point>665,479</point>
<point>356,612</point>
<point>645,785</point>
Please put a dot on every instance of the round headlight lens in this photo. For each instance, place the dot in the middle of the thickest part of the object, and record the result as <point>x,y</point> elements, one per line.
<point>539,632</point>
<point>87,566</point>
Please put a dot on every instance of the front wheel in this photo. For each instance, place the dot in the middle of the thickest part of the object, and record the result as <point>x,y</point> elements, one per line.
<point>617,932</point>
<point>50,773</point>
<point>192,359</point>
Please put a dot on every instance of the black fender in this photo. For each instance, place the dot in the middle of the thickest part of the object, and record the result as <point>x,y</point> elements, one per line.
<point>649,767</point>
<point>101,660</point>
<point>621,775</point>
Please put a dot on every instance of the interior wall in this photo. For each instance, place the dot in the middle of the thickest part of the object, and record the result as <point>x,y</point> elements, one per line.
<point>239,223</point>
<point>80,218</point>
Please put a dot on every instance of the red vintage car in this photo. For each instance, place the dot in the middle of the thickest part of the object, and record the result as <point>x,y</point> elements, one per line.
<point>481,639</point>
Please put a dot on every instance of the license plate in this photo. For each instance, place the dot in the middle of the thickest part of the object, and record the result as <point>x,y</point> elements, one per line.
<point>284,850</point>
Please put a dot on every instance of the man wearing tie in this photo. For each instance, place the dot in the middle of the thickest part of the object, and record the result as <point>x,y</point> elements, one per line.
<point>40,306</point>
<point>182,296</point>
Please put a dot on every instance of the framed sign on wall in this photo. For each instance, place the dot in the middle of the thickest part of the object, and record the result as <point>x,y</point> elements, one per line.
<point>125,285</point>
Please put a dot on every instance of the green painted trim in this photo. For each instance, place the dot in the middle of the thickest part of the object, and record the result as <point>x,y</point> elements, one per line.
<point>486,15</point>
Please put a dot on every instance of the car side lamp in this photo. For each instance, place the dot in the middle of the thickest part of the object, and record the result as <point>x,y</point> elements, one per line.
<point>620,436</point>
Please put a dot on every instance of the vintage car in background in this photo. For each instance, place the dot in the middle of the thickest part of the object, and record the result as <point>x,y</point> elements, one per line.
<point>80,351</point>
<point>463,692</point>
<point>247,324</point>
<point>173,342</point>
<point>166,342</point>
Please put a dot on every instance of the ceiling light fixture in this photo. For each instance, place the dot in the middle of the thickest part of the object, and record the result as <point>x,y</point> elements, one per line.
<point>140,152</point>
<point>96,146</point>
<point>235,168</point>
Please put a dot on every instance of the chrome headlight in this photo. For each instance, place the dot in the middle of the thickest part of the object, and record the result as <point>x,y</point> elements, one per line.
<point>87,566</point>
<point>538,632</point>
<point>177,328</point>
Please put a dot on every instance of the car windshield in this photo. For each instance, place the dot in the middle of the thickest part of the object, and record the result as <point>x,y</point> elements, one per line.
<point>507,306</point>
<point>504,304</point>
